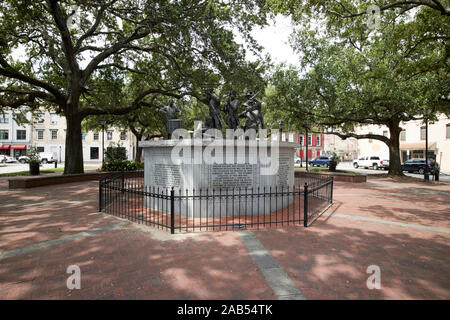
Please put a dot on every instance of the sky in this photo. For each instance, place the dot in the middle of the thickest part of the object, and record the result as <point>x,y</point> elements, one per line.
<point>274,38</point>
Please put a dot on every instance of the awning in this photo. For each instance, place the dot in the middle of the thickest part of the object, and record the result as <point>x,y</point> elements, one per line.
<point>417,146</point>
<point>19,146</point>
<point>5,146</point>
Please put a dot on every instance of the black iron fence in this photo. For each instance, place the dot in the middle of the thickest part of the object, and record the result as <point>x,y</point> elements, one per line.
<point>181,210</point>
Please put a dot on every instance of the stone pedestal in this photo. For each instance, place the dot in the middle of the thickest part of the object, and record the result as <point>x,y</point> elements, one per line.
<point>229,172</point>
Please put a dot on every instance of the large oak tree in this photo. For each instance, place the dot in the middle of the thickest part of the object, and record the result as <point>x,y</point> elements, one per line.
<point>62,54</point>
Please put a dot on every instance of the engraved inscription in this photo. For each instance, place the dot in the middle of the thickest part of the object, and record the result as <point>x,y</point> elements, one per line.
<point>283,171</point>
<point>167,175</point>
<point>232,175</point>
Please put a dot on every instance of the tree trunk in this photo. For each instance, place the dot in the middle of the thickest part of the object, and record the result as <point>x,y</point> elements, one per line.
<point>74,146</point>
<point>138,154</point>
<point>395,167</point>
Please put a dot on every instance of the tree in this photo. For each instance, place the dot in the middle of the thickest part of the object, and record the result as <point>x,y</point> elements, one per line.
<point>346,87</point>
<point>66,65</point>
<point>354,75</point>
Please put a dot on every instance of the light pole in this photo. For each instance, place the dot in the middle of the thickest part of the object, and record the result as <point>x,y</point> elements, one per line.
<point>426,175</point>
<point>103,121</point>
<point>280,125</point>
<point>306,126</point>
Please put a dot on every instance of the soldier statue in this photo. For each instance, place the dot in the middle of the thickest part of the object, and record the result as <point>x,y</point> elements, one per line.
<point>252,114</point>
<point>172,117</point>
<point>213,103</point>
<point>231,109</point>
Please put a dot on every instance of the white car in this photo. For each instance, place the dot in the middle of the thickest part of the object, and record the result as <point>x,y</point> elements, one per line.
<point>45,157</point>
<point>372,162</point>
<point>6,159</point>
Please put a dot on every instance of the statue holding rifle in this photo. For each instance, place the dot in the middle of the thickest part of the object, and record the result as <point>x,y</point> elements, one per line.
<point>252,114</point>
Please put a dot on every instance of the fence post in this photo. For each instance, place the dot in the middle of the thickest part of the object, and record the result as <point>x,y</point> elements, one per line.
<point>305,220</point>
<point>172,211</point>
<point>100,195</point>
<point>123,181</point>
<point>332,182</point>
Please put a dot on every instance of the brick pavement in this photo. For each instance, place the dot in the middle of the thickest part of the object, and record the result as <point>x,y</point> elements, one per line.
<point>325,261</point>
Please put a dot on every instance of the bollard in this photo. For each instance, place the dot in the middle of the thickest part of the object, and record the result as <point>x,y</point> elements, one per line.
<point>56,164</point>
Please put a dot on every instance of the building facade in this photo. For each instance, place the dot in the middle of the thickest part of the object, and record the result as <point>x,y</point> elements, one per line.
<point>412,141</point>
<point>346,149</point>
<point>47,132</point>
<point>49,135</point>
<point>315,144</point>
<point>14,138</point>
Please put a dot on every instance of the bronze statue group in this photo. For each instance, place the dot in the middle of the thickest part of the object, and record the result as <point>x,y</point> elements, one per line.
<point>252,112</point>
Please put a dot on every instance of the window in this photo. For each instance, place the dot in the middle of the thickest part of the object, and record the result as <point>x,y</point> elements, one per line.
<point>40,134</point>
<point>4,118</point>
<point>448,130</point>
<point>53,118</point>
<point>83,136</point>
<point>301,141</point>
<point>318,141</point>
<point>123,135</point>
<point>94,153</point>
<point>21,134</point>
<point>95,136</point>
<point>109,135</point>
<point>4,135</point>
<point>422,133</point>
<point>54,134</point>
<point>40,149</point>
<point>309,140</point>
<point>403,135</point>
<point>40,117</point>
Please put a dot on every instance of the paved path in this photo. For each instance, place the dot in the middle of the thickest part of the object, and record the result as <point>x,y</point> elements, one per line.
<point>402,227</point>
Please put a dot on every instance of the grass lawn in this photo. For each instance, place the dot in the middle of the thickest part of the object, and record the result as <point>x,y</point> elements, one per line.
<point>42,171</point>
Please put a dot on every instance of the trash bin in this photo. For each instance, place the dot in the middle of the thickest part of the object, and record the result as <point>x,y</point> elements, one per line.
<point>436,175</point>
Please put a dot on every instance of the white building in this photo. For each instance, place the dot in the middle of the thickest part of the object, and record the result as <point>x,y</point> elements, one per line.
<point>49,135</point>
<point>412,141</point>
<point>14,138</point>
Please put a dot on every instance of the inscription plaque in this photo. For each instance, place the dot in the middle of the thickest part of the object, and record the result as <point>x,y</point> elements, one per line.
<point>232,175</point>
<point>167,175</point>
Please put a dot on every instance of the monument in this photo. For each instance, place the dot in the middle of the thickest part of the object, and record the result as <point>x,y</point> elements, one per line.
<point>236,165</point>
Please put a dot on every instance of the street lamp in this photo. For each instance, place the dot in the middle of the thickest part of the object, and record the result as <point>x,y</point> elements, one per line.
<point>306,126</point>
<point>280,125</point>
<point>103,122</point>
<point>426,175</point>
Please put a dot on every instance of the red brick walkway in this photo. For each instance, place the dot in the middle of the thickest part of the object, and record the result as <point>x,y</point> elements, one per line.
<point>326,260</point>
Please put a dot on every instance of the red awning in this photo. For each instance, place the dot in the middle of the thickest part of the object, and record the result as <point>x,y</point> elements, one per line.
<point>5,146</point>
<point>18,146</point>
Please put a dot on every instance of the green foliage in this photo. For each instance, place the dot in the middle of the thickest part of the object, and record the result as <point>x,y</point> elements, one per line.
<point>115,154</point>
<point>33,155</point>
<point>123,166</point>
<point>335,158</point>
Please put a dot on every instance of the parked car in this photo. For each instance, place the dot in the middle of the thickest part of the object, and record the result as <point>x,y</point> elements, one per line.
<point>6,159</point>
<point>320,162</point>
<point>418,165</point>
<point>46,157</point>
<point>372,162</point>
<point>384,164</point>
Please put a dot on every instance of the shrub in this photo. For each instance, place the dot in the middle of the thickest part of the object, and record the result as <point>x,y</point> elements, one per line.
<point>123,166</point>
<point>115,154</point>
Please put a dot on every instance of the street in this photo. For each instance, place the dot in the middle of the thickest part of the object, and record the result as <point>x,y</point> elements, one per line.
<point>18,167</point>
